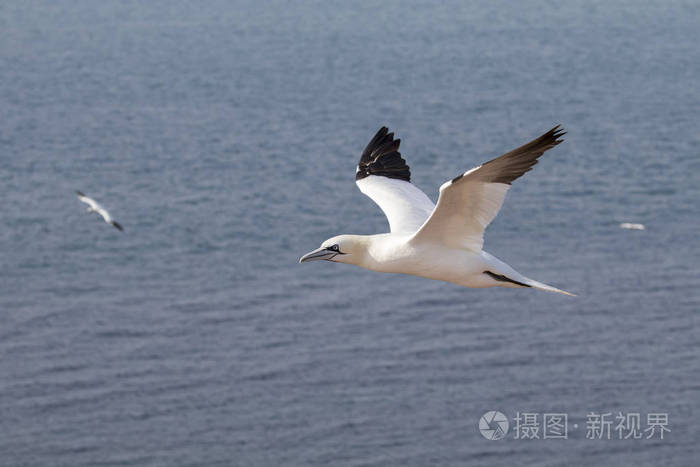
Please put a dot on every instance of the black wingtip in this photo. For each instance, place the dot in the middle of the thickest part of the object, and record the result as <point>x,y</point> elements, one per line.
<point>80,193</point>
<point>556,133</point>
<point>118,226</point>
<point>502,278</point>
<point>380,135</point>
<point>382,157</point>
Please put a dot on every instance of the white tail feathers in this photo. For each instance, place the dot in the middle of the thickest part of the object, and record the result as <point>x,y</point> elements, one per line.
<point>548,288</point>
<point>508,274</point>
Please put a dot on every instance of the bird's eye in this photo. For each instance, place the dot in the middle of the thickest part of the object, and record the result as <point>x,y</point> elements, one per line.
<point>335,248</point>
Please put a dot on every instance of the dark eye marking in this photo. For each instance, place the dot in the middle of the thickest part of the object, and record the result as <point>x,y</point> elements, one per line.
<point>335,248</point>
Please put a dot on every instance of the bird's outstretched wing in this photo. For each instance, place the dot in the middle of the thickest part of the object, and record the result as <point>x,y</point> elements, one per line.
<point>383,175</point>
<point>89,201</point>
<point>105,215</point>
<point>469,202</point>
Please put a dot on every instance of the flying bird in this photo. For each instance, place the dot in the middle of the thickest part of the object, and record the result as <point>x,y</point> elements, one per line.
<point>444,241</point>
<point>94,206</point>
<point>632,226</point>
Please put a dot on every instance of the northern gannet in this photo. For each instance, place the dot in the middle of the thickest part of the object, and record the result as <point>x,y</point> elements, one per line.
<point>444,241</point>
<point>94,206</point>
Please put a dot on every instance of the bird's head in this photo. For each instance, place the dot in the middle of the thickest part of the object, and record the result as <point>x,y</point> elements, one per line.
<point>340,249</point>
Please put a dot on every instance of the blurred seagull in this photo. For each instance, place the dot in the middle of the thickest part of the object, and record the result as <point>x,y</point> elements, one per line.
<point>631,226</point>
<point>94,206</point>
<point>444,241</point>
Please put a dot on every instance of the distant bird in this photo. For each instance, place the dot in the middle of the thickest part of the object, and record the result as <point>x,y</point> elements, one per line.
<point>631,226</point>
<point>442,242</point>
<point>94,206</point>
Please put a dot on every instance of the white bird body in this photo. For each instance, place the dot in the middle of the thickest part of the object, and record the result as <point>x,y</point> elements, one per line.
<point>398,253</point>
<point>403,254</point>
<point>441,242</point>
<point>94,206</point>
<point>632,226</point>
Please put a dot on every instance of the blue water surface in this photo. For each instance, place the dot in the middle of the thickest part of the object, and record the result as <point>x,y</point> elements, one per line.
<point>224,135</point>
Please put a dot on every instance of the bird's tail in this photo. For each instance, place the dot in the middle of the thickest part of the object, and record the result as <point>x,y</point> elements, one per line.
<point>508,277</point>
<point>539,285</point>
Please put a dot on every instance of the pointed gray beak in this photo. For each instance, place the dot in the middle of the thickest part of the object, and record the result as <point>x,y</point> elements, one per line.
<point>316,255</point>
